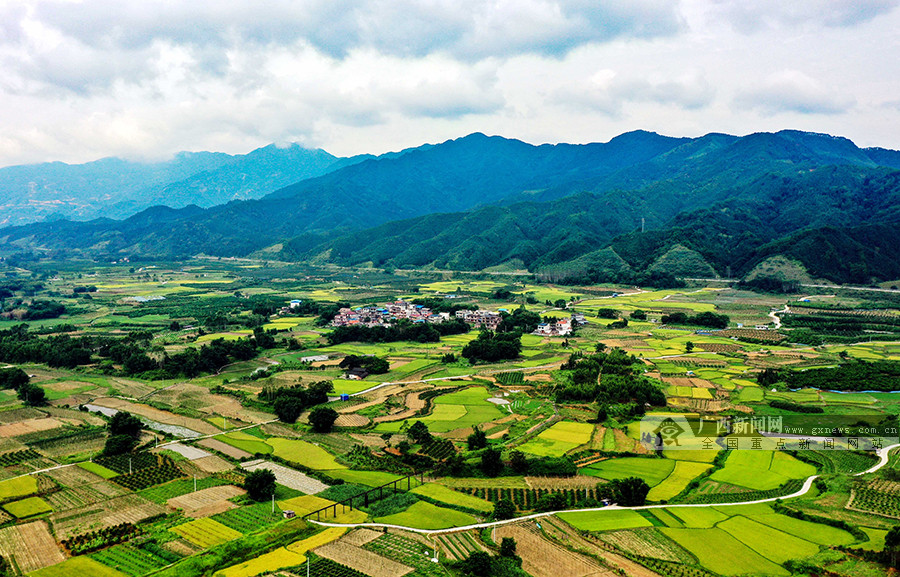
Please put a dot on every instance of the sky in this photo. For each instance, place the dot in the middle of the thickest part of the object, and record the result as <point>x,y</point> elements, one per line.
<point>144,79</point>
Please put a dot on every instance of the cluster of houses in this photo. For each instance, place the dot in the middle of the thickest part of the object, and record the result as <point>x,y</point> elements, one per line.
<point>386,314</point>
<point>480,318</point>
<point>560,327</point>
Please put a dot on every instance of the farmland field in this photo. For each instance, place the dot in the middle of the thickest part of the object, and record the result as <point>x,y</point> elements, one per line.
<point>27,507</point>
<point>306,454</point>
<point>205,533</point>
<point>445,495</point>
<point>718,551</point>
<point>761,470</point>
<point>559,439</point>
<point>19,487</point>
<point>677,480</point>
<point>424,515</point>
<point>245,442</point>
<point>654,471</point>
<point>457,410</point>
<point>81,566</point>
<point>771,543</point>
<point>608,520</point>
<point>181,501</point>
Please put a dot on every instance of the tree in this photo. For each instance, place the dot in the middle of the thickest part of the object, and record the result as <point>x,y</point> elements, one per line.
<point>508,547</point>
<point>13,378</point>
<point>32,395</point>
<point>478,563</point>
<point>504,509</point>
<point>403,447</point>
<point>600,347</point>
<point>322,419</point>
<point>260,484</point>
<point>629,492</point>
<point>477,440</point>
<point>491,463</point>
<point>638,315</point>
<point>288,408</point>
<point>519,462</point>
<point>123,423</point>
<point>892,545</point>
<point>419,433</point>
<point>688,347</point>
<point>118,445</point>
<point>551,502</point>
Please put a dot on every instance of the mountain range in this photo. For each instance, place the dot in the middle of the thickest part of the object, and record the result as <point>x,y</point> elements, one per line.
<point>639,204</point>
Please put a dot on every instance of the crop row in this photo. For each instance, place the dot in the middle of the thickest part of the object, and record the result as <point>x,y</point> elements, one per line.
<point>167,470</point>
<point>878,496</point>
<point>510,378</point>
<point>135,560</point>
<point>125,464</point>
<point>247,519</point>
<point>526,499</point>
<point>323,567</point>
<point>411,553</point>
<point>791,486</point>
<point>16,457</point>
<point>439,449</point>
<point>87,542</point>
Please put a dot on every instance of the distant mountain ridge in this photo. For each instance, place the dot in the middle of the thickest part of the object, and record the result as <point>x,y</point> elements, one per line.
<point>117,188</point>
<point>715,203</point>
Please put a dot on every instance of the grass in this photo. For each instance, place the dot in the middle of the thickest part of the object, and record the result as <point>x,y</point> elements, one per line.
<point>654,471</point>
<point>720,552</point>
<point>18,487</point>
<point>559,439</point>
<point>677,480</point>
<point>451,497</point>
<point>245,442</point>
<point>422,515</point>
<point>205,532</point>
<point>98,470</point>
<point>81,566</point>
<point>608,520</point>
<point>307,454</point>
<point>27,507</point>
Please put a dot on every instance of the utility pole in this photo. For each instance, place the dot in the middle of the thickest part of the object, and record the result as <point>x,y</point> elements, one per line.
<point>642,224</point>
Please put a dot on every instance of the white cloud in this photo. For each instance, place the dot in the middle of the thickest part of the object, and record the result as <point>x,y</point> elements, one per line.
<point>794,91</point>
<point>753,16</point>
<point>88,78</point>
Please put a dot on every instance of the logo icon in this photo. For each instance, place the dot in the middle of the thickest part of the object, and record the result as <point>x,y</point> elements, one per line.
<point>667,432</point>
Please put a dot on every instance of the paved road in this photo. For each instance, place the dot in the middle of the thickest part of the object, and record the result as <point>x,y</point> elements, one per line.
<point>884,455</point>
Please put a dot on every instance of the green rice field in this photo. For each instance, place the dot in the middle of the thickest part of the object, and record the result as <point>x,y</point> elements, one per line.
<point>608,520</point>
<point>424,515</point>
<point>654,471</point>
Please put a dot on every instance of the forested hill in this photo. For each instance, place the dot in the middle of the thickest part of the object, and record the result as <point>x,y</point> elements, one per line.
<point>711,204</point>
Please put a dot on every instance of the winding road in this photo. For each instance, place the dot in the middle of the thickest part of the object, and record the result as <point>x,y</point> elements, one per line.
<point>883,454</point>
